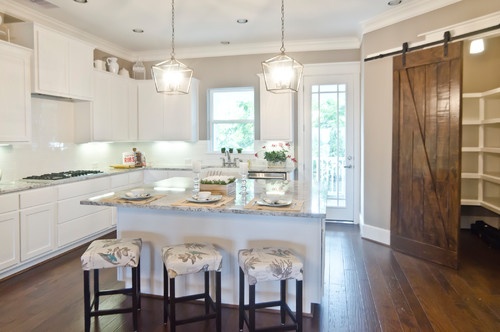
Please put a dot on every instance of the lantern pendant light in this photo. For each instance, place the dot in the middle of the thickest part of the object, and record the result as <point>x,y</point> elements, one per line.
<point>282,73</point>
<point>171,76</point>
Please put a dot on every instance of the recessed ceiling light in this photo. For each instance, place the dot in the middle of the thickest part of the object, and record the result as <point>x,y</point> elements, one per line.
<point>394,2</point>
<point>242,20</point>
<point>225,42</point>
<point>80,1</point>
<point>138,30</point>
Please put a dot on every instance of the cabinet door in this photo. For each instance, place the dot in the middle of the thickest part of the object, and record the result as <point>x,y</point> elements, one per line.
<point>80,60</point>
<point>119,109</point>
<point>9,239</point>
<point>15,94</point>
<point>181,115</point>
<point>276,114</point>
<point>150,112</point>
<point>37,230</point>
<point>101,108</point>
<point>52,62</point>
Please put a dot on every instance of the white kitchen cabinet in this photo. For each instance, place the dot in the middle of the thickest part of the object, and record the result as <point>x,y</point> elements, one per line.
<point>15,93</point>
<point>9,231</point>
<point>276,114</point>
<point>481,149</point>
<point>114,110</point>
<point>62,64</point>
<point>37,222</point>
<point>76,221</point>
<point>167,117</point>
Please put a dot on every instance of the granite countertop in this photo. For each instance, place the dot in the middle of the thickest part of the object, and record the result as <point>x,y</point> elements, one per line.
<point>171,191</point>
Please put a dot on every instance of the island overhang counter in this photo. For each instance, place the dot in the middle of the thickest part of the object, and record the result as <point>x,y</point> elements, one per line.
<point>230,227</point>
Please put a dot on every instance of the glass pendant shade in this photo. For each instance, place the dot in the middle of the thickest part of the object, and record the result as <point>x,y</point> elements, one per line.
<point>172,77</point>
<point>282,73</point>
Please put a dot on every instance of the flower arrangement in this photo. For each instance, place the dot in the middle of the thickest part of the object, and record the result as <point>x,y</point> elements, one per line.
<point>277,152</point>
<point>218,179</point>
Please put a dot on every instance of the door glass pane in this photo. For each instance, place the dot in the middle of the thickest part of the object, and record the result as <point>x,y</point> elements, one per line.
<point>329,140</point>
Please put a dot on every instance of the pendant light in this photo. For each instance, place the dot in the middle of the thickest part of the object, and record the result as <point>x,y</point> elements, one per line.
<point>282,73</point>
<point>171,76</point>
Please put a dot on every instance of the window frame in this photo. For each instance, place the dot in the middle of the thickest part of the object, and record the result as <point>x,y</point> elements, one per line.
<point>210,113</point>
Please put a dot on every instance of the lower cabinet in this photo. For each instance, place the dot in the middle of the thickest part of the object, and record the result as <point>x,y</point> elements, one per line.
<point>76,221</point>
<point>9,231</point>
<point>37,222</point>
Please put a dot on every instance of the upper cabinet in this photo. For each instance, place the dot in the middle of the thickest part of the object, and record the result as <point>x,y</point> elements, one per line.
<point>276,114</point>
<point>15,96</point>
<point>114,110</point>
<point>167,117</point>
<point>62,65</point>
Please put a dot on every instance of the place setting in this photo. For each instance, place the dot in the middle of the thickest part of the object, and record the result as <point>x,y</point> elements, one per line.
<point>273,202</point>
<point>134,196</point>
<point>204,199</point>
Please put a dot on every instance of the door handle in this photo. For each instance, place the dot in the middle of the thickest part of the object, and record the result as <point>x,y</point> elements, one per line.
<point>348,166</point>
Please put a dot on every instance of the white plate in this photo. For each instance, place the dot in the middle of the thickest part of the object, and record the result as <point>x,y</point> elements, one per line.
<point>278,203</point>
<point>136,198</point>
<point>211,199</point>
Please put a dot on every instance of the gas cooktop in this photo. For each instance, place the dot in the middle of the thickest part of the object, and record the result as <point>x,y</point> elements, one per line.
<point>60,175</point>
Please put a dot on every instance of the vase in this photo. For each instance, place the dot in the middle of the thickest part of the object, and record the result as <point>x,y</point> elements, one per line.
<point>276,164</point>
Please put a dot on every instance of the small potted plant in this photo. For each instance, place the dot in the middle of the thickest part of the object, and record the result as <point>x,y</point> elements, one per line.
<point>239,150</point>
<point>230,150</point>
<point>223,150</point>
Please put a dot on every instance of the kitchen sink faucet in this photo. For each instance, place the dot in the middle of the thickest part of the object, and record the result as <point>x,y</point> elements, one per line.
<point>229,163</point>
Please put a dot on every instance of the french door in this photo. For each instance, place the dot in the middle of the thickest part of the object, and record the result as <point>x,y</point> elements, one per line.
<point>330,104</point>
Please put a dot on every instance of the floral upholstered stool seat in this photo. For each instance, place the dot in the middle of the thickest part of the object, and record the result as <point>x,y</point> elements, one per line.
<point>111,253</point>
<point>269,264</point>
<point>189,258</point>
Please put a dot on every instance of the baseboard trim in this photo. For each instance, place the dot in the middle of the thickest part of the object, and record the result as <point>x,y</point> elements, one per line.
<point>376,234</point>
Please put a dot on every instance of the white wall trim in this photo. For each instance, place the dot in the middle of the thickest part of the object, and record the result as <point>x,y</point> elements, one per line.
<point>376,234</point>
<point>404,12</point>
<point>455,30</point>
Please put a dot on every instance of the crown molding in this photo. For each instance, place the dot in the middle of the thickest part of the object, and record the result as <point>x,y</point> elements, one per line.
<point>24,13</point>
<point>401,13</point>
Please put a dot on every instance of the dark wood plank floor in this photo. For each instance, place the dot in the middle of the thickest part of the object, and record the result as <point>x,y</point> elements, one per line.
<point>368,287</point>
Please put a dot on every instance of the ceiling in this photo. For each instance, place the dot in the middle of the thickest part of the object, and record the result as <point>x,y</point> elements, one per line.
<point>204,24</point>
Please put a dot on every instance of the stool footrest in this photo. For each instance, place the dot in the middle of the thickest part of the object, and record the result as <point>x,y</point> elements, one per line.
<point>124,291</point>
<point>111,311</point>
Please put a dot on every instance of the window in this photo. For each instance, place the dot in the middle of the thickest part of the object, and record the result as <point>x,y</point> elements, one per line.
<point>231,114</point>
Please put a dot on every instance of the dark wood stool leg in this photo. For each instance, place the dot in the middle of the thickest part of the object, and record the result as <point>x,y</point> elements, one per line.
<point>207,293</point>
<point>282,301</point>
<point>165,295</point>
<point>218,299</point>
<point>172,305</point>
<point>86,299</point>
<point>96,289</point>
<point>139,285</point>
<point>134,297</point>
<point>298,305</point>
<point>251,308</point>
<point>242,300</point>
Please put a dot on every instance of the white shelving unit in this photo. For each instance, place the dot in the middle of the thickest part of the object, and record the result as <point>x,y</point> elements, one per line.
<point>481,149</point>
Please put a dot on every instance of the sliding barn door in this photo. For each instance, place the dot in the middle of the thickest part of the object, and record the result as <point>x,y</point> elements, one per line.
<point>425,212</point>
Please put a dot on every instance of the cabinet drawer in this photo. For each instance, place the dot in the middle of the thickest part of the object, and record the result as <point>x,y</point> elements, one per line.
<point>136,177</point>
<point>79,228</point>
<point>80,188</point>
<point>71,208</point>
<point>119,181</point>
<point>9,203</point>
<point>36,197</point>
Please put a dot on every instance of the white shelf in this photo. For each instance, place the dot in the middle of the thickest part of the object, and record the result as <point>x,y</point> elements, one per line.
<point>481,149</point>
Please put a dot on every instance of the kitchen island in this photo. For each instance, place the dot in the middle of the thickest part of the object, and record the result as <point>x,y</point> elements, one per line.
<point>238,224</point>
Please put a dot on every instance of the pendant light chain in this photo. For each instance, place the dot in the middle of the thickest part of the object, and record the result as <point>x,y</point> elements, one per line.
<point>282,49</point>
<point>173,31</point>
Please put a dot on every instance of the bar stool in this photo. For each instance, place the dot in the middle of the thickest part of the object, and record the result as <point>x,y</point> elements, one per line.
<point>267,264</point>
<point>189,258</point>
<point>111,253</point>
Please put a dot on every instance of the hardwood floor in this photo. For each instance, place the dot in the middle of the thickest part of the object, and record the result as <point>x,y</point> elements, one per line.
<point>368,287</point>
